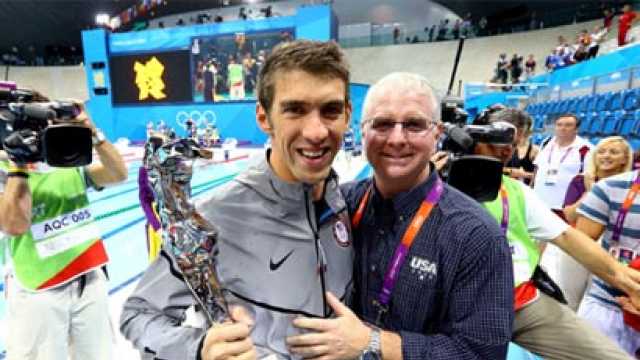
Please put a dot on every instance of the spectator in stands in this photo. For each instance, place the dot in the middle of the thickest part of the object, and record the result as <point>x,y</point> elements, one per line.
<point>515,66</point>
<point>482,26</point>
<point>542,324</point>
<point>443,29</point>
<point>610,212</point>
<point>530,66</point>
<point>560,159</point>
<point>597,37</point>
<point>242,14</point>
<point>611,156</point>
<point>432,31</point>
<point>608,18</point>
<point>456,29</point>
<point>581,54</point>
<point>453,298</point>
<point>533,22</point>
<point>521,166</point>
<point>502,69</point>
<point>625,22</point>
<point>467,26</point>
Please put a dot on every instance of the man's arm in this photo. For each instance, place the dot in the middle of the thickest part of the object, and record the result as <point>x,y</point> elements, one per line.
<point>152,316</point>
<point>111,168</point>
<point>597,261</point>
<point>15,202</point>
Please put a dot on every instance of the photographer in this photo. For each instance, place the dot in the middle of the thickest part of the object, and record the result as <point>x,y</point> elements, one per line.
<point>56,291</point>
<point>542,324</point>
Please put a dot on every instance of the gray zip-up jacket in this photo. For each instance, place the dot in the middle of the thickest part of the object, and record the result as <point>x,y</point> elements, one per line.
<point>270,261</point>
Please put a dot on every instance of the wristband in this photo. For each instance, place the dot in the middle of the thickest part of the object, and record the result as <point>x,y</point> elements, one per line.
<point>13,167</point>
<point>98,138</point>
<point>21,174</point>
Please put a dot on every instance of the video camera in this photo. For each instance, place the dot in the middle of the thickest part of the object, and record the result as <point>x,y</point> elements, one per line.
<point>478,176</point>
<point>47,129</point>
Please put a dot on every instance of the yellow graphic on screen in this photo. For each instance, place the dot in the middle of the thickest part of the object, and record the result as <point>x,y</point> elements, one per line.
<point>149,79</point>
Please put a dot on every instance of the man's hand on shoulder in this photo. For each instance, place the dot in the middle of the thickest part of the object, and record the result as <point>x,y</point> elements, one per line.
<point>230,339</point>
<point>343,337</point>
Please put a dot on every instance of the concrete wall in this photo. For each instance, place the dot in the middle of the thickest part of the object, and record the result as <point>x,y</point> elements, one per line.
<point>434,60</point>
<point>56,82</point>
<point>477,63</point>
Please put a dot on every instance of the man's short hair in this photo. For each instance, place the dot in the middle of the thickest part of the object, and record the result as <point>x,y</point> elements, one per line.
<point>318,58</point>
<point>516,117</point>
<point>571,115</point>
<point>403,82</point>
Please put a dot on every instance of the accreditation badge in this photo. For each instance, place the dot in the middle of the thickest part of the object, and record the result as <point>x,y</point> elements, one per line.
<point>552,177</point>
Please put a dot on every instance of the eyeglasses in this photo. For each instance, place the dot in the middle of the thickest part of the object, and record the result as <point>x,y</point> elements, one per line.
<point>384,127</point>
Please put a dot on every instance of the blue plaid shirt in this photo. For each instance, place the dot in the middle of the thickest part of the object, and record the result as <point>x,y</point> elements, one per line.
<point>454,295</point>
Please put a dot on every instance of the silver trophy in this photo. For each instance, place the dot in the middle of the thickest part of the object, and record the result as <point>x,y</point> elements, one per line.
<point>186,235</point>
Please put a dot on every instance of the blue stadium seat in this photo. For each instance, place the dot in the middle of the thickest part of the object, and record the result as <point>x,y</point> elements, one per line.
<point>585,124</point>
<point>562,106</point>
<point>572,106</point>
<point>602,102</point>
<point>593,101</point>
<point>595,127</point>
<point>582,103</point>
<point>635,144</point>
<point>630,99</point>
<point>627,123</point>
<point>538,123</point>
<point>615,102</point>
<point>611,124</point>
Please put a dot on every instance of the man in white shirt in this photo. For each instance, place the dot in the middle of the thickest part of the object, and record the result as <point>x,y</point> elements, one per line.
<point>559,160</point>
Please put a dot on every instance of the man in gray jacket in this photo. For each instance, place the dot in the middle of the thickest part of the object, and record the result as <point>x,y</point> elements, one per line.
<point>284,235</point>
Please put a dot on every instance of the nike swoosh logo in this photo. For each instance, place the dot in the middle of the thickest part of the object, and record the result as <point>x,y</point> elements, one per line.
<point>274,266</point>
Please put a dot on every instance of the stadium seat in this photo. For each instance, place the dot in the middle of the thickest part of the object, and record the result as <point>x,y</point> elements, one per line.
<point>595,127</point>
<point>582,104</point>
<point>611,124</point>
<point>627,123</point>
<point>538,123</point>
<point>615,102</point>
<point>635,144</point>
<point>591,105</point>
<point>585,123</point>
<point>572,105</point>
<point>630,99</point>
<point>602,102</point>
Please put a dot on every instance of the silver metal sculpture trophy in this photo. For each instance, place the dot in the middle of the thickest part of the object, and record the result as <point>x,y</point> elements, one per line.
<point>186,235</point>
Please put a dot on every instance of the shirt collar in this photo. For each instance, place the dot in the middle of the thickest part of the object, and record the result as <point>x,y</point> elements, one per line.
<point>407,202</point>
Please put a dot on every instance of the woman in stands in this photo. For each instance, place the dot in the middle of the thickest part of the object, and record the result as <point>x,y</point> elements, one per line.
<point>521,165</point>
<point>612,156</point>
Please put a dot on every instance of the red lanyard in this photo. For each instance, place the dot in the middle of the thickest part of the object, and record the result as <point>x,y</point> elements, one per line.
<point>626,205</point>
<point>400,254</point>
<point>562,158</point>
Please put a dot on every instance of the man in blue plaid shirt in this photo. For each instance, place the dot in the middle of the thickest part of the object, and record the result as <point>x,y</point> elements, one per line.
<point>433,273</point>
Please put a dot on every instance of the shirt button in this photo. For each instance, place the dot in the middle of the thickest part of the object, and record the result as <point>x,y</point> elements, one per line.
<point>373,268</point>
<point>401,218</point>
<point>381,232</point>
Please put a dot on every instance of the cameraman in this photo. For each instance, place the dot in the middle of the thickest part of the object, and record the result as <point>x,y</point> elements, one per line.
<point>542,324</point>
<point>56,291</point>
